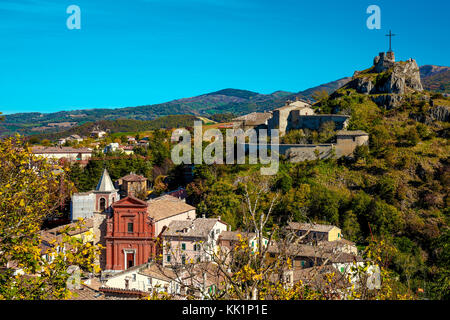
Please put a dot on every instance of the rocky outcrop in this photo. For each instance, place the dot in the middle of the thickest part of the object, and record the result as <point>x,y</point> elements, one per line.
<point>440,113</point>
<point>387,101</point>
<point>436,113</point>
<point>388,80</point>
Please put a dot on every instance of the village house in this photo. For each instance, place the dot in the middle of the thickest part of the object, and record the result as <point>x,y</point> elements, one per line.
<point>254,120</point>
<point>131,140</point>
<point>98,134</point>
<point>67,153</point>
<point>165,209</point>
<point>191,240</point>
<point>315,232</point>
<point>148,277</point>
<point>201,280</point>
<point>53,238</point>
<point>128,150</point>
<point>111,147</point>
<point>229,239</point>
<point>132,184</point>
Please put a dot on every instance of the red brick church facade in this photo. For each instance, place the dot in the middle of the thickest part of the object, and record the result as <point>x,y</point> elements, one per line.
<point>130,235</point>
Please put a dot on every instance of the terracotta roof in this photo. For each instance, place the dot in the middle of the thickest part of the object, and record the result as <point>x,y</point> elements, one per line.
<point>351,133</point>
<point>254,118</point>
<point>322,252</point>
<point>88,224</point>
<point>199,228</point>
<point>311,227</point>
<point>295,105</point>
<point>86,293</point>
<point>180,193</point>
<point>316,277</point>
<point>119,291</point>
<point>133,178</point>
<point>233,235</point>
<point>47,150</point>
<point>166,206</point>
<point>159,272</point>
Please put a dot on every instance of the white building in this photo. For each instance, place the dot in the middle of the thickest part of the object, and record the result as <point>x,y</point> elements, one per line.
<point>148,277</point>
<point>191,240</point>
<point>112,147</point>
<point>85,204</point>
<point>166,209</point>
<point>68,153</point>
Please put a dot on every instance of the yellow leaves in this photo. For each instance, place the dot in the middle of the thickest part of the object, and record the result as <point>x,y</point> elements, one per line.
<point>257,277</point>
<point>22,203</point>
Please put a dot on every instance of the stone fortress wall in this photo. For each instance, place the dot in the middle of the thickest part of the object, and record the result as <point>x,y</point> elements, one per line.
<point>344,146</point>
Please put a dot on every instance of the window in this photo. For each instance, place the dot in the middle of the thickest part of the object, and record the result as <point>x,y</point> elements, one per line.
<point>102,204</point>
<point>183,246</point>
<point>183,259</point>
<point>217,231</point>
<point>130,226</point>
<point>134,276</point>
<point>168,258</point>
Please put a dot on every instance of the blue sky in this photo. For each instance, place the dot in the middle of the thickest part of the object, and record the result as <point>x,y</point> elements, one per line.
<point>137,52</point>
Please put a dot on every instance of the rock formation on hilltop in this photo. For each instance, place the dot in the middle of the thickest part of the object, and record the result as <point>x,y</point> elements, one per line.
<point>387,80</point>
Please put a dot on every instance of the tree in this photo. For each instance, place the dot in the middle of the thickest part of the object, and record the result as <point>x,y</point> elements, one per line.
<point>320,95</point>
<point>30,192</point>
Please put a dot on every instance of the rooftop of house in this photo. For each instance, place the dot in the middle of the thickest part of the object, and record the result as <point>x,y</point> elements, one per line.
<point>73,228</point>
<point>49,150</point>
<point>87,293</point>
<point>166,206</point>
<point>316,277</point>
<point>311,251</point>
<point>312,227</point>
<point>197,228</point>
<point>298,104</point>
<point>233,235</point>
<point>179,194</point>
<point>351,133</point>
<point>132,177</point>
<point>254,118</point>
<point>157,271</point>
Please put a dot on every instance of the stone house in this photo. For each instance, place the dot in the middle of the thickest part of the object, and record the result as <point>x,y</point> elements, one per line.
<point>191,240</point>
<point>148,277</point>
<point>254,120</point>
<point>229,239</point>
<point>165,209</point>
<point>132,184</point>
<point>68,153</point>
<point>315,232</point>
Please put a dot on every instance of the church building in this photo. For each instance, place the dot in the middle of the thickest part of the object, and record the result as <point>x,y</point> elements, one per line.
<point>130,235</point>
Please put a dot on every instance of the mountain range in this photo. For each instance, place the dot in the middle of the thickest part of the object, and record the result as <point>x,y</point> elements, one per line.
<point>435,78</point>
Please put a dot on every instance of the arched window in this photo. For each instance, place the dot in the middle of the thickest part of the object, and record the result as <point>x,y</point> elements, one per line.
<point>102,204</point>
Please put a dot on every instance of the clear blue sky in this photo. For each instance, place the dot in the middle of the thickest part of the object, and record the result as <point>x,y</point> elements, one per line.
<point>137,52</point>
